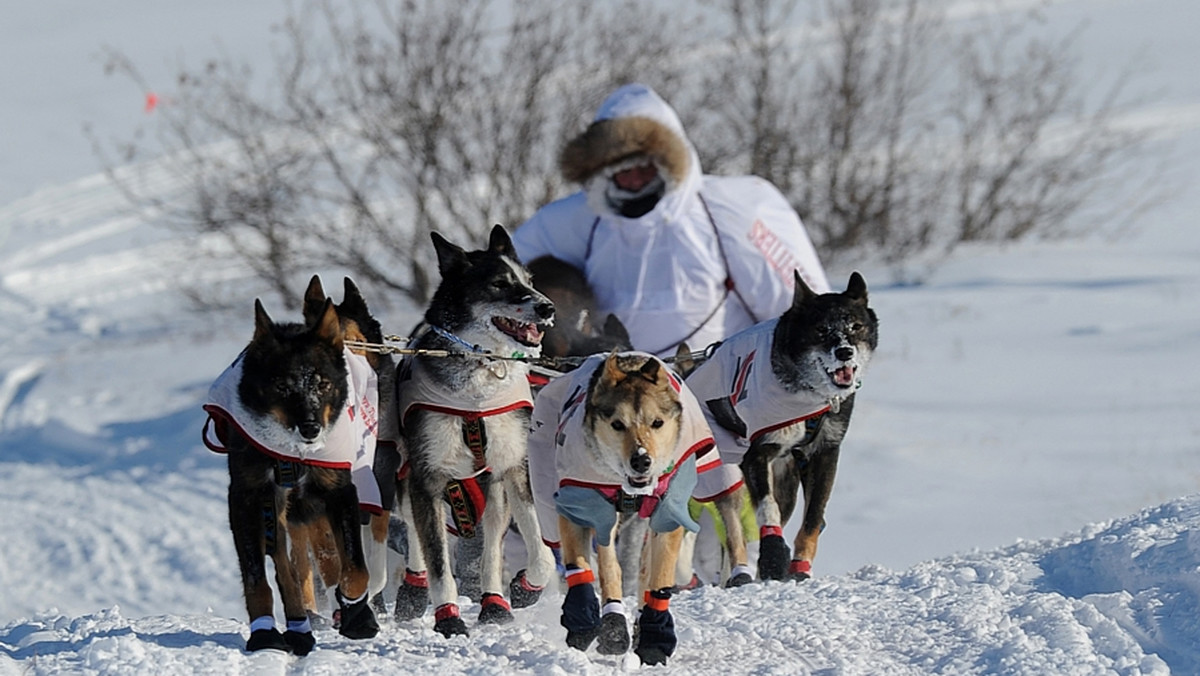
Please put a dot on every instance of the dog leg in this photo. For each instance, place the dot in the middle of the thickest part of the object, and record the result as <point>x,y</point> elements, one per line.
<point>817,480</point>
<point>656,627</point>
<point>354,616</point>
<point>526,587</point>
<point>631,542</point>
<point>246,521</point>
<point>729,506</point>
<point>375,548</point>
<point>299,636</point>
<point>412,596</point>
<point>758,468</point>
<point>493,608</point>
<point>614,631</point>
<point>580,609</point>
<point>429,513</point>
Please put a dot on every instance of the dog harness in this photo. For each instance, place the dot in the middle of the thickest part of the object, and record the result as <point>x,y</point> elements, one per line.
<point>564,468</point>
<point>743,400</point>
<point>416,390</point>
<point>349,443</point>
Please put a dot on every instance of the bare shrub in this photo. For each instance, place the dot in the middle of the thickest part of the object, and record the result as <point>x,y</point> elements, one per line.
<point>896,132</point>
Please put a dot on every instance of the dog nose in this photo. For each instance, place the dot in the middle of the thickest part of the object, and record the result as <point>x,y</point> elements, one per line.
<point>640,462</point>
<point>309,429</point>
<point>844,353</point>
<point>544,310</point>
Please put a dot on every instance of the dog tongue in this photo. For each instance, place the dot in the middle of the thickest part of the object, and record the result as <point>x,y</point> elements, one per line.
<point>844,376</point>
<point>529,334</point>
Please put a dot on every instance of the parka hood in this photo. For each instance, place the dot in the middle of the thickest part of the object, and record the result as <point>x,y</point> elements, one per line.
<point>632,122</point>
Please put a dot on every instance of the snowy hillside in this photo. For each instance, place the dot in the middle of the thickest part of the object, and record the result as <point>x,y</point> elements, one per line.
<point>1019,491</point>
<point>1118,598</point>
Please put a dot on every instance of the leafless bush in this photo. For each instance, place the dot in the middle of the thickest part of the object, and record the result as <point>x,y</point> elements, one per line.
<point>893,131</point>
<point>382,122</point>
<point>897,132</point>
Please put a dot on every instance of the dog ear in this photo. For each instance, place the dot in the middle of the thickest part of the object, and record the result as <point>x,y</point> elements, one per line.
<point>314,300</point>
<point>450,256</point>
<point>328,328</point>
<point>614,329</point>
<point>801,293</point>
<point>263,326</point>
<point>684,363</point>
<point>352,299</point>
<point>612,371</point>
<point>856,288</point>
<point>501,243</point>
<point>650,370</point>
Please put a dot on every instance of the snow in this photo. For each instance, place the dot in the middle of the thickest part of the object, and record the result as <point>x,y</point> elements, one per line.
<point>1018,492</point>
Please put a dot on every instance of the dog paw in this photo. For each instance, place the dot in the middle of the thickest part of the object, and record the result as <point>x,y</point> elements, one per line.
<point>411,599</point>
<point>581,640</point>
<point>738,580</point>
<point>655,640</point>
<point>694,583</point>
<point>581,616</point>
<point>773,557</point>
<point>355,620</point>
<point>495,610</point>
<point>266,639</point>
<point>521,592</point>
<point>317,620</point>
<point>378,605</point>
<point>614,635</point>
<point>448,623</point>
<point>799,570</point>
<point>300,642</point>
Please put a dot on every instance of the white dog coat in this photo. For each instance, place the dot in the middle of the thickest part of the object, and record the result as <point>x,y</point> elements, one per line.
<point>349,443</point>
<point>559,457</point>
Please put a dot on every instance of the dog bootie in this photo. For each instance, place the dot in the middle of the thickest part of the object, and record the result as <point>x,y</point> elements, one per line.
<point>799,570</point>
<point>447,622</point>
<point>299,636</point>
<point>521,592</point>
<point>354,619</point>
<point>655,640</point>
<point>580,609</point>
<point>266,639</point>
<point>412,596</point>
<point>494,610</point>
<point>773,554</point>
<point>739,576</point>
<point>614,631</point>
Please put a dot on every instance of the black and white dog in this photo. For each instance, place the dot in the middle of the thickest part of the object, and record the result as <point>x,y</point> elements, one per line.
<point>465,424</point>
<point>778,397</point>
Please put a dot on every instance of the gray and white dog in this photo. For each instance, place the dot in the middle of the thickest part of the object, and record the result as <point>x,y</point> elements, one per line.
<point>778,397</point>
<point>465,424</point>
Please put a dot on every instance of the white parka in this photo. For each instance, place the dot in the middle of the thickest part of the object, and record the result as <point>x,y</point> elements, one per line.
<point>714,256</point>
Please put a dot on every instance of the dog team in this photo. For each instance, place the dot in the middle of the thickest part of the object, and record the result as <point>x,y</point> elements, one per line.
<point>599,461</point>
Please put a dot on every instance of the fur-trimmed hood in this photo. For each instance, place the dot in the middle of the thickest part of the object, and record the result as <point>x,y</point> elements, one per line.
<point>633,121</point>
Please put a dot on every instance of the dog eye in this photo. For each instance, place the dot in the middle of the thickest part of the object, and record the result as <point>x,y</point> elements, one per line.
<point>658,422</point>
<point>618,425</point>
<point>501,284</point>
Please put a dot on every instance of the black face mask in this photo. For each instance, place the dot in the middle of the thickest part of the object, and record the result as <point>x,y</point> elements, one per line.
<point>639,204</point>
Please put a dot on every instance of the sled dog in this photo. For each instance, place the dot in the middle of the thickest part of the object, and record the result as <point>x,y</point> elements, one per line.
<point>778,397</point>
<point>618,437</point>
<point>575,332</point>
<point>285,414</point>
<point>357,324</point>
<point>465,424</point>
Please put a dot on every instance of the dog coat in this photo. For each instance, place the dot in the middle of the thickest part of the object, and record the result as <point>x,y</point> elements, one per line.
<point>349,443</point>
<point>567,479</point>
<point>742,398</point>
<point>415,390</point>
